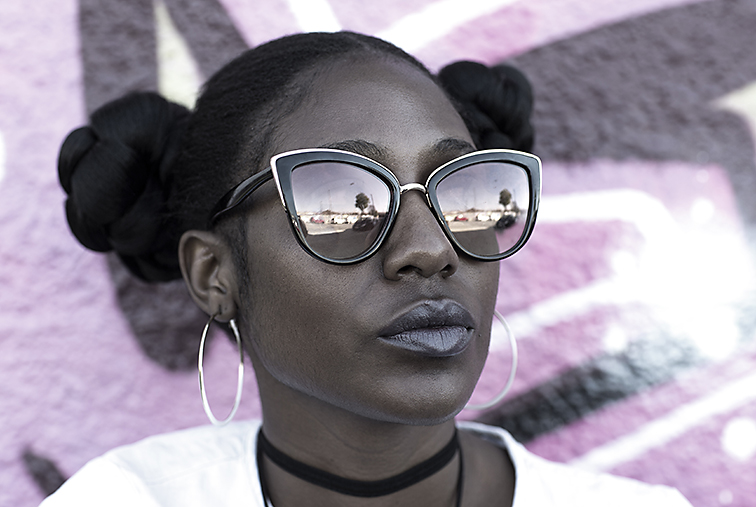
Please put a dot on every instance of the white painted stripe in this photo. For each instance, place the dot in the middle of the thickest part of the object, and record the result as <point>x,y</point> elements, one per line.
<point>2,157</point>
<point>646,213</point>
<point>420,28</point>
<point>743,103</point>
<point>178,73</point>
<point>657,276</point>
<point>662,431</point>
<point>314,15</point>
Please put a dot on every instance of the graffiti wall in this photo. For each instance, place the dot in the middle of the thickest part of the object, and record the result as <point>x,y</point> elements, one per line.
<point>634,303</point>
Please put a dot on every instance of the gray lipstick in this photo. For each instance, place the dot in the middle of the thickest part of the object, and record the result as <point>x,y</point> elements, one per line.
<point>433,328</point>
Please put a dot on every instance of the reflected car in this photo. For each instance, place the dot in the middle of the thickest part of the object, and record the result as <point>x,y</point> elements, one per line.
<point>508,218</point>
<point>364,224</point>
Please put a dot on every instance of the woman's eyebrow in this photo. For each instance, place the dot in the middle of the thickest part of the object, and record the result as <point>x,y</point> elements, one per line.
<point>360,147</point>
<point>453,146</point>
<point>447,145</point>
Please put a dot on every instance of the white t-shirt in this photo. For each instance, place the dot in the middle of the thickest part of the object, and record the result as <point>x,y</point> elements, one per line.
<point>217,466</point>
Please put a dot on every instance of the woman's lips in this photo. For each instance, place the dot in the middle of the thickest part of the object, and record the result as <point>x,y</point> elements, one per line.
<point>433,328</point>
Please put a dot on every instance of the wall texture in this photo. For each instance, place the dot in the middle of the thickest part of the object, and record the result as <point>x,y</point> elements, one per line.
<point>633,304</point>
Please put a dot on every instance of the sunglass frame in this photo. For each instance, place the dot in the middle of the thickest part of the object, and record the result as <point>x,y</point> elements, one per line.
<point>282,166</point>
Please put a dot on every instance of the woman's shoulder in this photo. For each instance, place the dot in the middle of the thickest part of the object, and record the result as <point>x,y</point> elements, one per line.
<point>540,482</point>
<point>179,468</point>
<point>159,456</point>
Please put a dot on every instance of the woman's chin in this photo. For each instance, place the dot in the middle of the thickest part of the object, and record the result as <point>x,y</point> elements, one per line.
<point>414,410</point>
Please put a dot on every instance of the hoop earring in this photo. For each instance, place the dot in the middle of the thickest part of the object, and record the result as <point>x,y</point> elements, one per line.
<point>512,372</point>
<point>239,375</point>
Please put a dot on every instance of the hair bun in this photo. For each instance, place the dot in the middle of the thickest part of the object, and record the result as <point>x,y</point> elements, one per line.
<point>117,173</point>
<point>76,145</point>
<point>496,103</point>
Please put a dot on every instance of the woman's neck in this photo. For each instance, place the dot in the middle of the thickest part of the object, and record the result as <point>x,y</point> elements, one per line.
<point>352,446</point>
<point>347,444</point>
<point>286,481</point>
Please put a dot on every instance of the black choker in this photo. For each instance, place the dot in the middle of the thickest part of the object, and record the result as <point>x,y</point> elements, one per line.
<point>354,487</point>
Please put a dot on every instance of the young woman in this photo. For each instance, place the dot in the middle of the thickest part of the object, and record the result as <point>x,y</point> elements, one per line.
<point>316,200</point>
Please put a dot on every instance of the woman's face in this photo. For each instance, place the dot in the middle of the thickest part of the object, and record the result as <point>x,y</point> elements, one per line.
<point>402,336</point>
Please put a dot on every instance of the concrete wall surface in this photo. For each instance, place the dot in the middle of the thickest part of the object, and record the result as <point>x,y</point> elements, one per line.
<point>633,303</point>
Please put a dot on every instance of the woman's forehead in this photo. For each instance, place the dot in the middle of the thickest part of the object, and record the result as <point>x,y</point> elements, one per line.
<point>386,102</point>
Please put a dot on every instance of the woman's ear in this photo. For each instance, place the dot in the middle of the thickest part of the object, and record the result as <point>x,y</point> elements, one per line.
<point>207,266</point>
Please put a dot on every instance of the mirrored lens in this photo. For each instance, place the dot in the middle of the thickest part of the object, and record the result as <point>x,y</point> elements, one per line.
<point>341,208</point>
<point>486,206</point>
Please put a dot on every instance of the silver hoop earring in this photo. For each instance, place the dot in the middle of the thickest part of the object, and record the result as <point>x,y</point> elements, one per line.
<point>512,372</point>
<point>239,376</point>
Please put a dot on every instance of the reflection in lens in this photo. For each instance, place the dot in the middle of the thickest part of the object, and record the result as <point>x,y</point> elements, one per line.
<point>342,207</point>
<point>486,206</point>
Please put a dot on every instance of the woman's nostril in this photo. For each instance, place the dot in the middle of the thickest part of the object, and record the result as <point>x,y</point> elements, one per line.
<point>449,270</point>
<point>407,270</point>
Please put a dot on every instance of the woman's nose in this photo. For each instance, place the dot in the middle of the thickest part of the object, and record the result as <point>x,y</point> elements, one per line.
<point>417,244</point>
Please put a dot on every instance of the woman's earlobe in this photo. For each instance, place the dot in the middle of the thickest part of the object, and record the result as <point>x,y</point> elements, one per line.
<point>207,267</point>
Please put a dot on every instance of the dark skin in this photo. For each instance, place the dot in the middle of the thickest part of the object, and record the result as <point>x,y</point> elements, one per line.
<point>333,395</point>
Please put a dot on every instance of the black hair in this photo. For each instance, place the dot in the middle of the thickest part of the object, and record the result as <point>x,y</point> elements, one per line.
<point>495,102</point>
<point>145,170</point>
<point>117,173</point>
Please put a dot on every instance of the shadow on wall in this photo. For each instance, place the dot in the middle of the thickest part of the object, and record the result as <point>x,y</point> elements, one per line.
<point>644,90</point>
<point>118,42</point>
<point>163,318</point>
<point>638,90</point>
